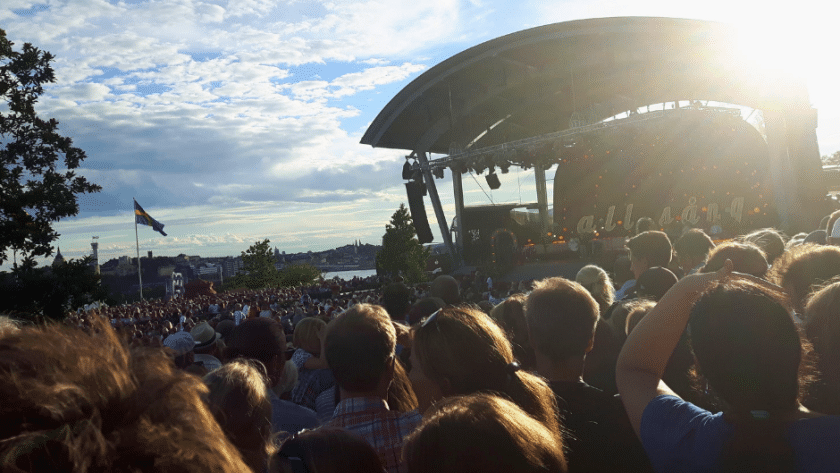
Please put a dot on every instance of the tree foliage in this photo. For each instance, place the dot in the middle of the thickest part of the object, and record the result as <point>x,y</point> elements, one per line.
<point>401,252</point>
<point>37,183</point>
<point>298,275</point>
<point>50,291</point>
<point>259,270</point>
<point>832,160</point>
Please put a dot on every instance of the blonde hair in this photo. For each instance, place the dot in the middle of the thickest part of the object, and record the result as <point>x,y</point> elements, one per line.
<point>306,331</point>
<point>239,401</point>
<point>74,401</point>
<point>598,283</point>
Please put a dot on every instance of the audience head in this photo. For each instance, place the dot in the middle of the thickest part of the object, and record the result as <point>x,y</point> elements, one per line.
<point>327,450</point>
<point>510,315</point>
<point>822,325</point>
<point>181,344</point>
<point>644,224</point>
<point>649,249</point>
<point>740,331</point>
<point>693,249</point>
<point>460,351</point>
<point>446,288</point>
<point>769,240</point>
<point>804,267</point>
<point>636,310</point>
<point>205,338</point>
<point>260,339</point>
<point>238,399</point>
<point>832,230</point>
<point>599,285</point>
<point>76,401</point>
<point>746,258</point>
<point>396,298</point>
<point>561,316</point>
<point>359,347</point>
<point>482,433</point>
<point>424,308</point>
<point>306,334</point>
<point>653,283</point>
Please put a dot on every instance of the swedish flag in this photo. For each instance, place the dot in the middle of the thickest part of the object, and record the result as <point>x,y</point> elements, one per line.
<point>141,217</point>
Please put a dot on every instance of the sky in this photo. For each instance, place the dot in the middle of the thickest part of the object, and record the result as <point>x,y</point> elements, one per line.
<point>235,121</point>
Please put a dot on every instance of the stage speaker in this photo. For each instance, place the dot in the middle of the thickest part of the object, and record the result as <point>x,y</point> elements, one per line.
<point>493,181</point>
<point>418,211</point>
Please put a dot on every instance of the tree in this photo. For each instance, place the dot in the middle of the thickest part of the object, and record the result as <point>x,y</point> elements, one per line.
<point>258,266</point>
<point>401,251</point>
<point>299,274</point>
<point>831,160</point>
<point>51,291</point>
<point>35,191</point>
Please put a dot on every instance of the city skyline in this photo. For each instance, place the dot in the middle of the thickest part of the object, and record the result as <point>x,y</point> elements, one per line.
<point>232,122</point>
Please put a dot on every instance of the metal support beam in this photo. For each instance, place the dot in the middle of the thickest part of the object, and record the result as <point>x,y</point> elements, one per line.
<point>435,198</point>
<point>542,201</point>
<point>458,191</point>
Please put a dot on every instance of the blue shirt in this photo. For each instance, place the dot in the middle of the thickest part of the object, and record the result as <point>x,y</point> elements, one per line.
<point>289,417</point>
<point>679,436</point>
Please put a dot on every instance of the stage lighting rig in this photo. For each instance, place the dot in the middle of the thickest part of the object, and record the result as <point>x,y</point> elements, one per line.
<point>437,172</point>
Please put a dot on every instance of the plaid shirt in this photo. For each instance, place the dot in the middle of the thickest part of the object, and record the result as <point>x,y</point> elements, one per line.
<point>370,419</point>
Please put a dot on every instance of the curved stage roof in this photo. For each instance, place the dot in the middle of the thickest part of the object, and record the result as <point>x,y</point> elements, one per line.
<point>540,80</point>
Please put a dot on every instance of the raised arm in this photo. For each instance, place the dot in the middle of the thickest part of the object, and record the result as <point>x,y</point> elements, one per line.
<point>649,346</point>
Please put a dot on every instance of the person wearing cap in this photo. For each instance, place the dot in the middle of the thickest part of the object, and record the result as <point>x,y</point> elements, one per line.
<point>205,346</point>
<point>182,343</point>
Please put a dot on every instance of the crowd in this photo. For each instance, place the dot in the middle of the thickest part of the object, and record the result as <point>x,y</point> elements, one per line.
<point>687,355</point>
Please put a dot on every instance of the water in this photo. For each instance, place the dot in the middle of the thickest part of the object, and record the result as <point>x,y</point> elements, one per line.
<point>347,275</point>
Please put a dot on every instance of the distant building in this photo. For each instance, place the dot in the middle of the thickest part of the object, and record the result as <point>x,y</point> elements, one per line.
<point>58,260</point>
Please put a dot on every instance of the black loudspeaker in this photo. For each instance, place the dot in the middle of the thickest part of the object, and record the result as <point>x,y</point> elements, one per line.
<point>418,211</point>
<point>493,181</point>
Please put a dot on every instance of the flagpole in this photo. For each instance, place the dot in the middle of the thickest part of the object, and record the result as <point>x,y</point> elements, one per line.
<point>137,240</point>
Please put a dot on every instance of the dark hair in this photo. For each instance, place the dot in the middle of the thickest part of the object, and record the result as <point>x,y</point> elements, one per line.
<point>327,450</point>
<point>259,339</point>
<point>746,258</point>
<point>396,298</point>
<point>655,246</point>
<point>466,348</point>
<point>358,346</point>
<point>485,433</point>
<point>644,224</point>
<point>694,243</point>
<point>804,267</point>
<point>561,316</point>
<point>822,325</point>
<point>750,351</point>
<point>424,308</point>
<point>73,401</point>
<point>446,288</point>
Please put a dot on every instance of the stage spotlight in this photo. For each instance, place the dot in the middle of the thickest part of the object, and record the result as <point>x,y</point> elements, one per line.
<point>438,173</point>
<point>504,166</point>
<point>493,181</point>
<point>479,168</point>
<point>406,170</point>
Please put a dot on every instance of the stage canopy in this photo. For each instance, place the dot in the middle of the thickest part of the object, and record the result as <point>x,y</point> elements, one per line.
<point>560,76</point>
